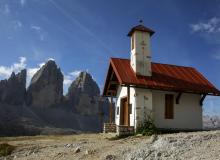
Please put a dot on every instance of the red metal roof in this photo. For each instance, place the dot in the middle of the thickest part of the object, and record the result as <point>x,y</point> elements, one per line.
<point>164,77</point>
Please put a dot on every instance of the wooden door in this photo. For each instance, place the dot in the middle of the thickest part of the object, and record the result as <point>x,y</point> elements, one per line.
<point>124,111</point>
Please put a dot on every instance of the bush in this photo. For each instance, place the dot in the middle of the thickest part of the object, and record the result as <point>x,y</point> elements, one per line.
<point>6,149</point>
<point>147,127</point>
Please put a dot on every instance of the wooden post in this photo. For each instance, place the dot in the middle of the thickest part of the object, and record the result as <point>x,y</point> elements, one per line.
<point>128,93</point>
<point>202,99</point>
<point>178,98</point>
<point>110,109</point>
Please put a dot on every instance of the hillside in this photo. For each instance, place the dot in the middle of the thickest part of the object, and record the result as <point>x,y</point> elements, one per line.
<point>194,145</point>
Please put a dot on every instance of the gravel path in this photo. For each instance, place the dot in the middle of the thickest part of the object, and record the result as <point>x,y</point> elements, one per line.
<point>194,145</point>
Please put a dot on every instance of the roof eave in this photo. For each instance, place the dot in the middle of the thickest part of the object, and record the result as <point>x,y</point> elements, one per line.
<point>133,30</point>
<point>111,64</point>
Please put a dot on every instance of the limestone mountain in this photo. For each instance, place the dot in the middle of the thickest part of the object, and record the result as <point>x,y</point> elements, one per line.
<point>46,87</point>
<point>42,108</point>
<point>12,91</point>
<point>84,95</point>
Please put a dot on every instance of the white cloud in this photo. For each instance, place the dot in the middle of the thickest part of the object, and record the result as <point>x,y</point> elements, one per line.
<point>75,73</point>
<point>6,71</point>
<point>41,64</point>
<point>5,9</point>
<point>21,65</point>
<point>211,26</point>
<point>42,37</point>
<point>68,78</point>
<point>31,72</point>
<point>37,28</point>
<point>17,24</point>
<point>209,30</point>
<point>51,59</point>
<point>39,31</point>
<point>22,2</point>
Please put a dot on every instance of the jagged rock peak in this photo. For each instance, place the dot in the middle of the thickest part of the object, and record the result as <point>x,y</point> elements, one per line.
<point>48,68</point>
<point>46,87</point>
<point>84,83</point>
<point>83,95</point>
<point>13,90</point>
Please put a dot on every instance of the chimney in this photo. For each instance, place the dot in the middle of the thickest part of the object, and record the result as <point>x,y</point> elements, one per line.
<point>140,49</point>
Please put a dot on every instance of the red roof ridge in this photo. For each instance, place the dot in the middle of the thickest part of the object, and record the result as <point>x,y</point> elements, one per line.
<point>174,65</point>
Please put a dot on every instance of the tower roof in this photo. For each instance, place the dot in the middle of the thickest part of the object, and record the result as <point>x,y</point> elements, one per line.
<point>141,28</point>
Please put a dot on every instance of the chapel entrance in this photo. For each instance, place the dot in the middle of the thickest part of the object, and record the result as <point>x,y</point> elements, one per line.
<point>124,120</point>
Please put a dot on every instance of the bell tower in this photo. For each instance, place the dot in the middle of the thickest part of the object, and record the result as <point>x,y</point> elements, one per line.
<point>140,49</point>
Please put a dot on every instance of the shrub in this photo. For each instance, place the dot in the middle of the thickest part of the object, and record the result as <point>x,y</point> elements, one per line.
<point>147,127</point>
<point>6,149</point>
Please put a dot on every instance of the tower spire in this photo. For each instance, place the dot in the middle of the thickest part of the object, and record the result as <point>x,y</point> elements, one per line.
<point>141,21</point>
<point>140,49</point>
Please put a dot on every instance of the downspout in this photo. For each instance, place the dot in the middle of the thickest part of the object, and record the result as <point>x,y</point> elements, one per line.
<point>135,111</point>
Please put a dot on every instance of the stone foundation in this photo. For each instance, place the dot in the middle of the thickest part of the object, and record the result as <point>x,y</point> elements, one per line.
<point>109,128</point>
<point>124,130</point>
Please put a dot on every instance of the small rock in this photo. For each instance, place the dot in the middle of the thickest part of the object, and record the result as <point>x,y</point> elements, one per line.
<point>90,152</point>
<point>139,135</point>
<point>68,145</point>
<point>159,154</point>
<point>172,140</point>
<point>110,157</point>
<point>77,150</point>
<point>153,138</point>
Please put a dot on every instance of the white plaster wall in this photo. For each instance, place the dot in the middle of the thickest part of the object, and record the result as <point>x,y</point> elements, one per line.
<point>143,107</point>
<point>187,114</point>
<point>140,55</point>
<point>122,92</point>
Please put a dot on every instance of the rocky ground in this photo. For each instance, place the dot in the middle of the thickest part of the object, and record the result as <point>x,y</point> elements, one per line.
<point>194,145</point>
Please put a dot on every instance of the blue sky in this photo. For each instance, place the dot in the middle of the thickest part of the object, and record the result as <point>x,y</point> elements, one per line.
<point>83,35</point>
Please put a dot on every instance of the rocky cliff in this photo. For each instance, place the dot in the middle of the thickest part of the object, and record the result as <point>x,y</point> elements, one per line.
<point>84,95</point>
<point>12,91</point>
<point>46,87</point>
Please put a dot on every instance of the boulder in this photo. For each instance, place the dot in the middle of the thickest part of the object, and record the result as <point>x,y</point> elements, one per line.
<point>211,122</point>
<point>13,90</point>
<point>46,87</point>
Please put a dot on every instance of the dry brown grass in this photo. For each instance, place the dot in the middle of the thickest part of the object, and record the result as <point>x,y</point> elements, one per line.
<point>6,149</point>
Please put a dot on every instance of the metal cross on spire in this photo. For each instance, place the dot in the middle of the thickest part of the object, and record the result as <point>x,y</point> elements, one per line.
<point>141,21</point>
